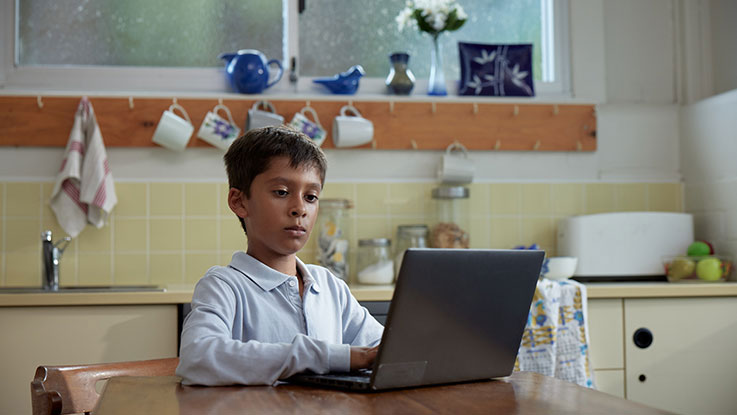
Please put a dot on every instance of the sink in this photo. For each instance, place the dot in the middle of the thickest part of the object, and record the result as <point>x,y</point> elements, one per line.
<point>82,289</point>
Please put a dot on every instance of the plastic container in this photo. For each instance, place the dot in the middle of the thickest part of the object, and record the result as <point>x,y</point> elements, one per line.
<point>408,236</point>
<point>451,221</point>
<point>333,224</point>
<point>375,265</point>
<point>709,268</point>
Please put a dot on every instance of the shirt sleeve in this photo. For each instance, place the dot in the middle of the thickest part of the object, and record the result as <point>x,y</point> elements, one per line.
<point>360,328</point>
<point>210,356</point>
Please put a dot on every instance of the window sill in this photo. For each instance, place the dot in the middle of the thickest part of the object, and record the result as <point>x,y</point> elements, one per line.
<point>286,95</point>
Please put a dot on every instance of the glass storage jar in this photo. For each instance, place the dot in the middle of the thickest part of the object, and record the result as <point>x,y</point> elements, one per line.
<point>408,236</point>
<point>375,265</point>
<point>333,224</point>
<point>451,223</point>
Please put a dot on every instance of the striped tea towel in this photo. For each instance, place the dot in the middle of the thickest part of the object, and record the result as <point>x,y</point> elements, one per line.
<point>84,190</point>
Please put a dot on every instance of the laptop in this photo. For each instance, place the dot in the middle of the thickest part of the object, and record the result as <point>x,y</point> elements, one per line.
<point>457,315</point>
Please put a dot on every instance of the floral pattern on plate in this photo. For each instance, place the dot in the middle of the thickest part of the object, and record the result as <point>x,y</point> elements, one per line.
<point>496,70</point>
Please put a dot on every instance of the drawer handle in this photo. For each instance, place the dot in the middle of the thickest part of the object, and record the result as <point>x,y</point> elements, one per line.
<point>643,338</point>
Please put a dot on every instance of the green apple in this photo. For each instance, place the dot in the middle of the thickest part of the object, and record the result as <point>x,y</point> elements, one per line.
<point>699,248</point>
<point>681,268</point>
<point>709,269</point>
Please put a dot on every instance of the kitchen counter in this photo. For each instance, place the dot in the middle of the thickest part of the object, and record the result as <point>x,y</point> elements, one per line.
<point>183,294</point>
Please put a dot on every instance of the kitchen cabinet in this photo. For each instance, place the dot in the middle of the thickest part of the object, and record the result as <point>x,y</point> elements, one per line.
<point>606,341</point>
<point>42,335</point>
<point>691,365</point>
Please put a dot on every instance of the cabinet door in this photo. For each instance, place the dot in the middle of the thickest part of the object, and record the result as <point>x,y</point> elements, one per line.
<point>691,365</point>
<point>35,336</point>
<point>606,333</point>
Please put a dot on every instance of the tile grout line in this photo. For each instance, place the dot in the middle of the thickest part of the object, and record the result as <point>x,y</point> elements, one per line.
<point>3,278</point>
<point>184,230</point>
<point>217,223</point>
<point>41,226</point>
<point>148,230</point>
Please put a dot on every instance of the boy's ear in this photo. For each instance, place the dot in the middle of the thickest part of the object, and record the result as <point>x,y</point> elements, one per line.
<point>237,202</point>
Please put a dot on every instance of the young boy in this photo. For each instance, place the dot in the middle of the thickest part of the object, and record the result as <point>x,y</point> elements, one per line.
<point>267,315</point>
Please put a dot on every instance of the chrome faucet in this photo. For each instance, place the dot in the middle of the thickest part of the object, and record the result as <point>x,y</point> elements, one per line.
<point>50,255</point>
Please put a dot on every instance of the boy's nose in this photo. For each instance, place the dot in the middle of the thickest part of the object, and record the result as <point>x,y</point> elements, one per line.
<point>298,210</point>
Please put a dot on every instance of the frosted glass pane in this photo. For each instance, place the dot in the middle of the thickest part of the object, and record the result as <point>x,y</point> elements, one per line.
<point>334,35</point>
<point>145,32</point>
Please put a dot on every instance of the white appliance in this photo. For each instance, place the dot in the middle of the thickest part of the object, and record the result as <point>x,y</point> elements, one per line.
<point>625,245</point>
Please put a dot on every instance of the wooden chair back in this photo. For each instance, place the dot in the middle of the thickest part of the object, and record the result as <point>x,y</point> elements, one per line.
<point>57,390</point>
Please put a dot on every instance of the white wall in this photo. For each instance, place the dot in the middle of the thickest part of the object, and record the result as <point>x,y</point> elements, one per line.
<point>709,143</point>
<point>616,59</point>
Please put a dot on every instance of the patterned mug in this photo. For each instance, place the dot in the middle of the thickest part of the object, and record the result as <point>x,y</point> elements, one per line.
<point>219,131</point>
<point>312,129</point>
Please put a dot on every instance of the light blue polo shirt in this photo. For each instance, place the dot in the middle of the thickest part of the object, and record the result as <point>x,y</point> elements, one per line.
<point>249,325</point>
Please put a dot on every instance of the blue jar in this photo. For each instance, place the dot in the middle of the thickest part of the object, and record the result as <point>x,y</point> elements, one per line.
<point>400,80</point>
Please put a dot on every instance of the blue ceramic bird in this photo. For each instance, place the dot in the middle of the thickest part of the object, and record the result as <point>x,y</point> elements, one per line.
<point>344,83</point>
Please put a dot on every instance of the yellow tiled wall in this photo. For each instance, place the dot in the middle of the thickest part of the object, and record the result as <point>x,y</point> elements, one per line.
<point>163,233</point>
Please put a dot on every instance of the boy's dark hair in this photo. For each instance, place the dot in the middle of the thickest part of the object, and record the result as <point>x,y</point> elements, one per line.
<point>251,154</point>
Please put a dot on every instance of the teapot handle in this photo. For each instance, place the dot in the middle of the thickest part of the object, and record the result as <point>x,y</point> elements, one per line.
<point>278,76</point>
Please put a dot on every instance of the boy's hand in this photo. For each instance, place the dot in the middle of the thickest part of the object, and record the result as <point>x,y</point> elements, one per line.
<point>363,357</point>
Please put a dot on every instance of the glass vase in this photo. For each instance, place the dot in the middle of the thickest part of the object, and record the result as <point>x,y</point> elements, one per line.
<point>400,80</point>
<point>436,84</point>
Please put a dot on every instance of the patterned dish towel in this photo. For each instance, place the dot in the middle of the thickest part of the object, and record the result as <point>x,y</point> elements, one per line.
<point>556,339</point>
<point>84,191</point>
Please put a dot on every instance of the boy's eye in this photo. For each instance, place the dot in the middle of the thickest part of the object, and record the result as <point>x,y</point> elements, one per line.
<point>311,198</point>
<point>281,192</point>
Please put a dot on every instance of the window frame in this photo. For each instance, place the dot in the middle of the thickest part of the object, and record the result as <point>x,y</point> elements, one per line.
<point>152,80</point>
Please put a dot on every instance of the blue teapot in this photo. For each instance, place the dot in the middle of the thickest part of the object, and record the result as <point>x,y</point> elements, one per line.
<point>248,70</point>
<point>345,83</point>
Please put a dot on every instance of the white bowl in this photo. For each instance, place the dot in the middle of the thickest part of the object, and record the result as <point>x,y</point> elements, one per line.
<point>559,267</point>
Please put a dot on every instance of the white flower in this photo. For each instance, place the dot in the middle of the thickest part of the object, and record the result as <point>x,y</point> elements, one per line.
<point>485,57</point>
<point>437,21</point>
<point>460,13</point>
<point>434,12</point>
<point>475,83</point>
<point>518,76</point>
<point>404,18</point>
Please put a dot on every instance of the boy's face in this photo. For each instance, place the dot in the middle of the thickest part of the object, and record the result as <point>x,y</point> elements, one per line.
<point>281,211</point>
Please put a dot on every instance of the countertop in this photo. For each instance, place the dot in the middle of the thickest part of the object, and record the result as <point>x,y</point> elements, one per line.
<point>183,294</point>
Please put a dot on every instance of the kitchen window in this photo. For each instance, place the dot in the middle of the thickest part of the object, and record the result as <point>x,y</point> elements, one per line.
<point>172,45</point>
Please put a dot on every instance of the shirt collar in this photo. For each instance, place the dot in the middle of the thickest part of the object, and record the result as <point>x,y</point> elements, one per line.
<point>266,277</point>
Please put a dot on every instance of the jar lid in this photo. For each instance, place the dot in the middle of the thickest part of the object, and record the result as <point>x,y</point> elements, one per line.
<point>375,242</point>
<point>450,192</point>
<point>336,203</point>
<point>412,230</point>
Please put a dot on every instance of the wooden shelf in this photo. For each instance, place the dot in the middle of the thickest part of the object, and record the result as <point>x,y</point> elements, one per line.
<point>398,125</point>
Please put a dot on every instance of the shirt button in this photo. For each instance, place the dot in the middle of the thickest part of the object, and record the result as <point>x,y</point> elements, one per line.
<point>292,283</point>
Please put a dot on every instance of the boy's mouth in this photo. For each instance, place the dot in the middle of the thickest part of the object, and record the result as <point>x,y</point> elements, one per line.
<point>296,230</point>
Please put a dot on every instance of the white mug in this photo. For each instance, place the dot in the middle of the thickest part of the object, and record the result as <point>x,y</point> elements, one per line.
<point>173,131</point>
<point>312,129</point>
<point>218,131</point>
<point>258,118</point>
<point>351,130</point>
<point>455,166</point>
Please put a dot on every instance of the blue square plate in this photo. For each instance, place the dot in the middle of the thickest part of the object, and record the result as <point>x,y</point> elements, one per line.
<point>496,70</point>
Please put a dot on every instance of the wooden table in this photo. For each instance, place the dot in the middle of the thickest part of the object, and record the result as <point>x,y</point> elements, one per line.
<point>521,393</point>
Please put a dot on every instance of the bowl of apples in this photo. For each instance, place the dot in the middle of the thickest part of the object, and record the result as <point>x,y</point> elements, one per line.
<point>706,268</point>
<point>700,264</point>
